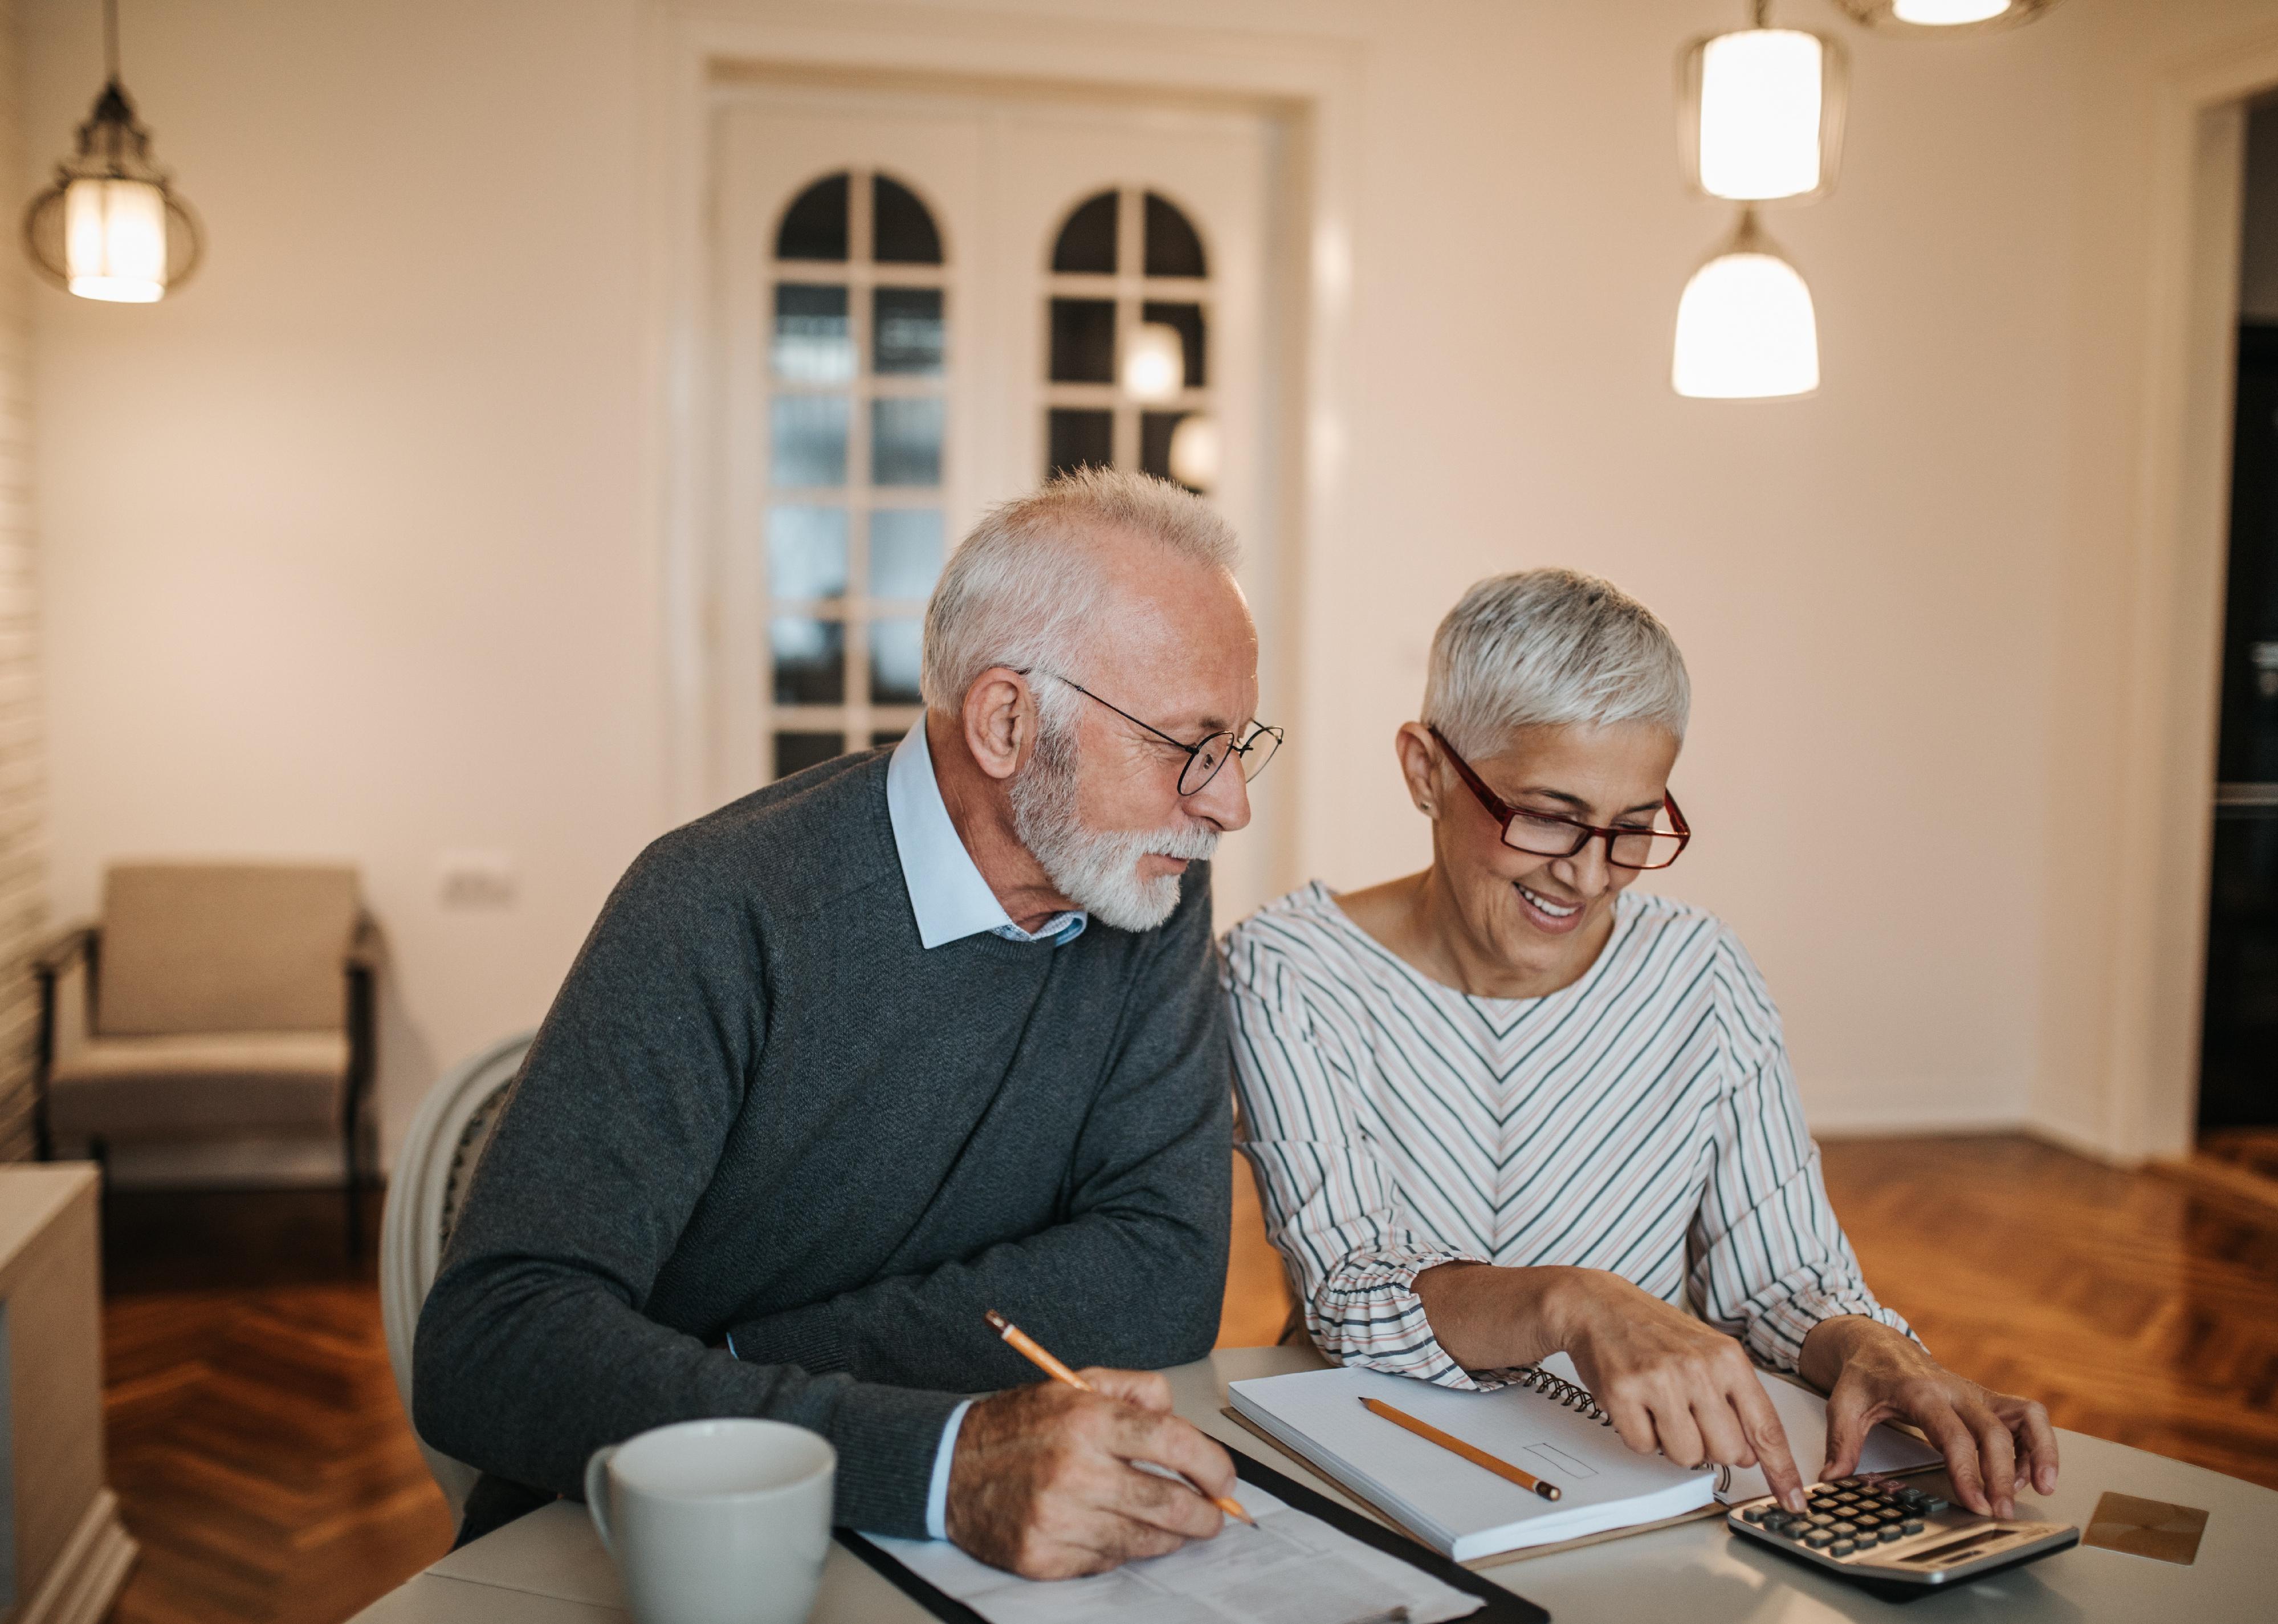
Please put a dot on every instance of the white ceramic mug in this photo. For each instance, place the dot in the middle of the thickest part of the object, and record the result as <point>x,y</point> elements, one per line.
<point>716,1521</point>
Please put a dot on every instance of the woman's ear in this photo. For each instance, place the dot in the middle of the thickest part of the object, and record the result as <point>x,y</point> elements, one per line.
<point>1419,765</point>
<point>999,720</point>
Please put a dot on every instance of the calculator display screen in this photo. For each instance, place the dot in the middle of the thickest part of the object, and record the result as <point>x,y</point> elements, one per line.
<point>1955,1548</point>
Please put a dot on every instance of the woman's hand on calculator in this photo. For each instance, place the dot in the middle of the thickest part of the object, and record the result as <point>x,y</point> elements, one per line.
<point>1993,1443</point>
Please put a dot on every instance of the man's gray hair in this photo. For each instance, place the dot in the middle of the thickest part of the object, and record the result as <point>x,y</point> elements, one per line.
<point>1028,582</point>
<point>1550,646</point>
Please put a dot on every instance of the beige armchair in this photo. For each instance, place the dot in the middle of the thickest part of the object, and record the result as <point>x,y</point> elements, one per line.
<point>212,1000</point>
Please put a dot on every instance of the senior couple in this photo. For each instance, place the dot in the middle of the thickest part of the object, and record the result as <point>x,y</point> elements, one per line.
<point>929,1031</point>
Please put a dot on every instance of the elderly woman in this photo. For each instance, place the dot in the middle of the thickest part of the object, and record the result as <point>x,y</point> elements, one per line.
<point>1509,1106</point>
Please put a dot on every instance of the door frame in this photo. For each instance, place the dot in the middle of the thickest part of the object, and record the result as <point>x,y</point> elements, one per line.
<point>1311,87</point>
<point>2144,1102</point>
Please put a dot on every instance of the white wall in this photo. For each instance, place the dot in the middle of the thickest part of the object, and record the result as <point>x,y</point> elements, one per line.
<point>345,539</point>
<point>1854,577</point>
<point>351,544</point>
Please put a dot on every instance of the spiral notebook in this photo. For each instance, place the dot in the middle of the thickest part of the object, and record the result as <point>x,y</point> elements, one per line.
<point>1546,1422</point>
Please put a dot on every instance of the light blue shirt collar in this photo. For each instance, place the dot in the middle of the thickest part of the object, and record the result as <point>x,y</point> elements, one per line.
<point>950,899</point>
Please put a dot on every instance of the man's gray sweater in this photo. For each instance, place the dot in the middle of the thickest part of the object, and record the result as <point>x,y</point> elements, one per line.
<point>760,1113</point>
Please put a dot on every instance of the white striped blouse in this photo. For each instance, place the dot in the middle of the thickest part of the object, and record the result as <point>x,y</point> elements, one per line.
<point>1642,1120</point>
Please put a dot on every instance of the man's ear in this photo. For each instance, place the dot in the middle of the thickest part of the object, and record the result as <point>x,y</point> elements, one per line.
<point>1000,720</point>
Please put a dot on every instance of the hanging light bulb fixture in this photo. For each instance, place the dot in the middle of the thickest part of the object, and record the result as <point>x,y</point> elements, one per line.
<point>111,226</point>
<point>1924,17</point>
<point>1760,112</point>
<point>1194,454</point>
<point>1154,363</point>
<point>1745,326</point>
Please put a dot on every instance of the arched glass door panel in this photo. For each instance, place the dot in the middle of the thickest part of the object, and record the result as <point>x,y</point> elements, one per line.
<point>1127,353</point>
<point>858,365</point>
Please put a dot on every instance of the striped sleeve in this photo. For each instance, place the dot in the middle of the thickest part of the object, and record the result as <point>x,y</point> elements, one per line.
<point>1770,1259</point>
<point>1331,1207</point>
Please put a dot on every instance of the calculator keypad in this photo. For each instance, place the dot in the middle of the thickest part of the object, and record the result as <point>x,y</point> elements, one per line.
<point>1852,1514</point>
<point>1856,1520</point>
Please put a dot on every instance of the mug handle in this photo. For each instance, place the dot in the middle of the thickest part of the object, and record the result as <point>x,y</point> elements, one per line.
<point>597,1493</point>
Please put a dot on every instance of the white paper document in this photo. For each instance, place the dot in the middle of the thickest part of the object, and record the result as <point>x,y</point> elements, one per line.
<point>1291,1568</point>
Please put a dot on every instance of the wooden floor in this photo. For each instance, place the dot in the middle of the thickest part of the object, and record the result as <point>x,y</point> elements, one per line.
<point>2253,1150</point>
<point>257,1444</point>
<point>2131,1306</point>
<point>263,1462</point>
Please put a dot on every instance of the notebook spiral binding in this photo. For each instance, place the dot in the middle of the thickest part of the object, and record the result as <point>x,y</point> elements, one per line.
<point>1559,1391</point>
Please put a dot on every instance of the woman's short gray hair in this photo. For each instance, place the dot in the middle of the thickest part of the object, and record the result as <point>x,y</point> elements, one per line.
<point>1026,584</point>
<point>1550,646</point>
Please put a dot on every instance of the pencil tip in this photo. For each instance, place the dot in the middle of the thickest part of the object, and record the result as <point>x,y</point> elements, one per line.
<point>997,1322</point>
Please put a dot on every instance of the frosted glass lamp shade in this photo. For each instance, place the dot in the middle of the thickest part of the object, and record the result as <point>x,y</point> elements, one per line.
<point>1194,452</point>
<point>115,241</point>
<point>1761,114</point>
<point>111,226</point>
<point>1927,19</point>
<point>1745,327</point>
<point>1947,14</point>
<point>1154,362</point>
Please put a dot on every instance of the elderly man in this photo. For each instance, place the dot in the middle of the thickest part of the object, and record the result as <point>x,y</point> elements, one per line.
<point>897,1040</point>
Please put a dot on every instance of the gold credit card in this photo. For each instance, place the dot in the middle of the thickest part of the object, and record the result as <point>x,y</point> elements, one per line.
<point>2147,1528</point>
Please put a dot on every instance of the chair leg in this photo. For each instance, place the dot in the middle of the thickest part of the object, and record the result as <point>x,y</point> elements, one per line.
<point>98,1151</point>
<point>352,1179</point>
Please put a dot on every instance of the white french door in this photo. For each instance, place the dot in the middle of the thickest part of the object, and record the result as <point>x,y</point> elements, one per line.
<point>924,301</point>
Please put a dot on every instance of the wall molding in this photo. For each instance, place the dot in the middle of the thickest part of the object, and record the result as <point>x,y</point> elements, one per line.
<point>1931,1110</point>
<point>86,1577</point>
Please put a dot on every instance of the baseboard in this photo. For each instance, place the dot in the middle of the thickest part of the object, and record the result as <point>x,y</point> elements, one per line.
<point>1920,1116</point>
<point>87,1575</point>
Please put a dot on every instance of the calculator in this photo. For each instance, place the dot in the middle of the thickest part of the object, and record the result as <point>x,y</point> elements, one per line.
<point>1900,1538</point>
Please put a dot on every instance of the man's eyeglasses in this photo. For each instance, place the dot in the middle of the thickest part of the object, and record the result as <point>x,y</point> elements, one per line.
<point>1546,835</point>
<point>1254,748</point>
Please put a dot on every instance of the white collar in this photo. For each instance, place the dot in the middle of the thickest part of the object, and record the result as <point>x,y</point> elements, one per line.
<point>950,899</point>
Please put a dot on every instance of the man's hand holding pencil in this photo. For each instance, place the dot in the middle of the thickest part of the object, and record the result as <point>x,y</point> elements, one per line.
<point>1049,1481</point>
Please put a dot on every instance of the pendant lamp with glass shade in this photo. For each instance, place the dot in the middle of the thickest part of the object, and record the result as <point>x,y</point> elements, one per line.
<point>1194,452</point>
<point>1154,362</point>
<point>1745,326</point>
<point>1928,17</point>
<point>111,227</point>
<point>1760,112</point>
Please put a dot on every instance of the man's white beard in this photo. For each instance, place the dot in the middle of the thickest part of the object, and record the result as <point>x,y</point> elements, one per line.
<point>1099,873</point>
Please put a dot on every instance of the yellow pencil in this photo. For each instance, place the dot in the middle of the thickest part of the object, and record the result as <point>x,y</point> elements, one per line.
<point>1040,1356</point>
<point>1478,1457</point>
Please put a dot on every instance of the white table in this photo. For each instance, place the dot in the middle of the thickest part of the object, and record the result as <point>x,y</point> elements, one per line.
<point>548,1567</point>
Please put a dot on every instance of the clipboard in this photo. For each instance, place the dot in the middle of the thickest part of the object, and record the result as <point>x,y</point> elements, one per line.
<point>1501,1607</point>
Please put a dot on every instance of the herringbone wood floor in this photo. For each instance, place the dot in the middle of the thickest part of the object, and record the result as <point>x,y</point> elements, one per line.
<point>264,1463</point>
<point>255,1440</point>
<point>2130,1305</point>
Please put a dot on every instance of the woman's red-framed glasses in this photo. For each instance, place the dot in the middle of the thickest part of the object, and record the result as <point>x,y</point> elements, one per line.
<point>1546,835</point>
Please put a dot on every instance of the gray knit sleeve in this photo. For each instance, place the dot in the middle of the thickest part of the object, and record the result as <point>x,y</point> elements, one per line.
<point>534,1348</point>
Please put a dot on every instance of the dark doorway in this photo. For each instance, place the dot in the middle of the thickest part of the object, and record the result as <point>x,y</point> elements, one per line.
<point>2238,1067</point>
